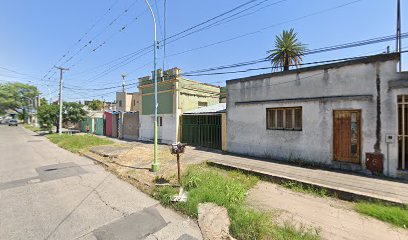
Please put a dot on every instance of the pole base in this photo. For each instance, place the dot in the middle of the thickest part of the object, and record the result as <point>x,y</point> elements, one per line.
<point>155,167</point>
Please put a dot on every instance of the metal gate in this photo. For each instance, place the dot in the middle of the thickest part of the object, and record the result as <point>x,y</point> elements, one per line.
<point>99,124</point>
<point>403,132</point>
<point>201,130</point>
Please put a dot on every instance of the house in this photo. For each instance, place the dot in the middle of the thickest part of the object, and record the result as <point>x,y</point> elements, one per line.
<point>127,102</point>
<point>332,114</point>
<point>94,121</point>
<point>205,127</point>
<point>124,121</point>
<point>176,95</point>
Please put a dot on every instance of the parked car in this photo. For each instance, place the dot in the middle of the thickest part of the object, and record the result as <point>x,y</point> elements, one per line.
<point>13,122</point>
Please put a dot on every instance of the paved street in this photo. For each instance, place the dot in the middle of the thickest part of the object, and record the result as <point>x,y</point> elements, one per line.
<point>49,193</point>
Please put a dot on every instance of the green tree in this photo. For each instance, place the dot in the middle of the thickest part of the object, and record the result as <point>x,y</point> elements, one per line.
<point>43,101</point>
<point>71,112</point>
<point>288,51</point>
<point>48,116</point>
<point>95,105</point>
<point>16,96</point>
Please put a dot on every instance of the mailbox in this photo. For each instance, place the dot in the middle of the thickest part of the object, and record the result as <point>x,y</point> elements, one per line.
<point>374,162</point>
<point>177,148</point>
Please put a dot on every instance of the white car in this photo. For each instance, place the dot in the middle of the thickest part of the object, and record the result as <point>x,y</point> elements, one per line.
<point>13,122</point>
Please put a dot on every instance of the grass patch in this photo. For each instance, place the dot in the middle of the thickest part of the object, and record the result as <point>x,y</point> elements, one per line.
<point>299,187</point>
<point>228,189</point>
<point>76,143</point>
<point>31,128</point>
<point>397,216</point>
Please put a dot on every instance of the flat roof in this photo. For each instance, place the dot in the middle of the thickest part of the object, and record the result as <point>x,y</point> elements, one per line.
<point>357,60</point>
<point>216,108</point>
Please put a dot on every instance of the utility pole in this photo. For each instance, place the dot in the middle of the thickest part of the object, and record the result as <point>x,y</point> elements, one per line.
<point>398,36</point>
<point>60,99</point>
<point>123,83</point>
<point>155,165</point>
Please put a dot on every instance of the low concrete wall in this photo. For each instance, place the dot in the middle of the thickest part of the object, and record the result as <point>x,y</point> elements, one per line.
<point>224,136</point>
<point>131,126</point>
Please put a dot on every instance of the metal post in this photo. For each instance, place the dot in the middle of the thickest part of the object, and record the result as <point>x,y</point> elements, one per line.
<point>60,99</point>
<point>178,169</point>
<point>155,165</point>
<point>124,85</point>
<point>398,42</point>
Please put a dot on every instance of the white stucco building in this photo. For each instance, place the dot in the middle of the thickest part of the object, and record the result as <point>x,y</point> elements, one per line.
<point>329,114</point>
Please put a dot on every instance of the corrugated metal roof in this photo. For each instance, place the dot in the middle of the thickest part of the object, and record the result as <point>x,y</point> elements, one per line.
<point>217,108</point>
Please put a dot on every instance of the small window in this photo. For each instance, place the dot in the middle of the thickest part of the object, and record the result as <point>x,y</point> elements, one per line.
<point>120,103</point>
<point>134,102</point>
<point>284,118</point>
<point>160,121</point>
<point>202,104</point>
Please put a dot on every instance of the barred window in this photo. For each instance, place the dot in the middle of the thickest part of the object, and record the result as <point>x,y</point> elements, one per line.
<point>284,118</point>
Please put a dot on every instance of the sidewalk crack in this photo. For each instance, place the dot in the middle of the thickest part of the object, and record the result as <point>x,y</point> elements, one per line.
<point>110,205</point>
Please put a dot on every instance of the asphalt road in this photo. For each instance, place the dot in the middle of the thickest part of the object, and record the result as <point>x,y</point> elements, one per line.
<point>49,193</point>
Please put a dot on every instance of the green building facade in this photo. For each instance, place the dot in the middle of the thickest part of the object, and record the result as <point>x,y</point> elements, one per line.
<point>176,95</point>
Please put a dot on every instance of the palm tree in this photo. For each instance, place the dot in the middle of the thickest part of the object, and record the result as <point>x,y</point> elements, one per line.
<point>288,51</point>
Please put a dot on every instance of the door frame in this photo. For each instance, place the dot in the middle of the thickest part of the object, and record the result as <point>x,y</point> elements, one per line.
<point>359,140</point>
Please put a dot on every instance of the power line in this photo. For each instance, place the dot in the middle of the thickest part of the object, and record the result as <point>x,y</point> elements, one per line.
<point>313,51</point>
<point>97,35</point>
<point>246,34</point>
<point>222,21</point>
<point>261,60</point>
<point>273,67</point>
<point>83,36</point>
<point>103,43</point>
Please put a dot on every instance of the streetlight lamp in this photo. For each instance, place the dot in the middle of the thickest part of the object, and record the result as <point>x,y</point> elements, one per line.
<point>155,165</point>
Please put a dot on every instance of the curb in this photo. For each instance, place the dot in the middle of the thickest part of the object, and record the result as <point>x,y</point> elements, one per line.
<point>340,193</point>
<point>93,159</point>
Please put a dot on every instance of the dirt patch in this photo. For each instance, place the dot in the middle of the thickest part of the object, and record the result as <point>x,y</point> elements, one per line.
<point>334,219</point>
<point>132,163</point>
<point>110,150</point>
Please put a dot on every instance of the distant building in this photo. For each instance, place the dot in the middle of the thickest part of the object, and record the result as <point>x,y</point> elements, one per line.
<point>176,95</point>
<point>127,102</point>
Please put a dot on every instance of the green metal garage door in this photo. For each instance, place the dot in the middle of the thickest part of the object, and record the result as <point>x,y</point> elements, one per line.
<point>99,126</point>
<point>201,130</point>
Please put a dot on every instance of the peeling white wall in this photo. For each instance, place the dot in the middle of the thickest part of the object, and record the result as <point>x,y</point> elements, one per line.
<point>246,128</point>
<point>166,133</point>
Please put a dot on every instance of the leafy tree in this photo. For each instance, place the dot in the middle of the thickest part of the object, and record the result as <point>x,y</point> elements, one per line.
<point>43,101</point>
<point>16,96</point>
<point>288,51</point>
<point>95,105</point>
<point>71,112</point>
<point>48,116</point>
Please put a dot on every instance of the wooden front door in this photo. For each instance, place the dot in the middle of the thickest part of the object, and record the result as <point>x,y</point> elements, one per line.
<point>347,135</point>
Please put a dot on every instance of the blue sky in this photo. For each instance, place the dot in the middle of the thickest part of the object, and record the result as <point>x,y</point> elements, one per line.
<point>35,34</point>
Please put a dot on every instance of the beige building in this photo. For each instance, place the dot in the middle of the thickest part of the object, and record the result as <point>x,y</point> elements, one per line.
<point>127,102</point>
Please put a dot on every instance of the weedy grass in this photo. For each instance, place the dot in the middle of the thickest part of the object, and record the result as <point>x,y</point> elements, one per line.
<point>396,215</point>
<point>228,189</point>
<point>31,128</point>
<point>76,143</point>
<point>302,188</point>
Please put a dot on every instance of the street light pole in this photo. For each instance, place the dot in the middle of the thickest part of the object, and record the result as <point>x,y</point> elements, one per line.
<point>155,165</point>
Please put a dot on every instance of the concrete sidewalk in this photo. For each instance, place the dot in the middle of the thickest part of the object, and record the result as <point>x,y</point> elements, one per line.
<point>346,186</point>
